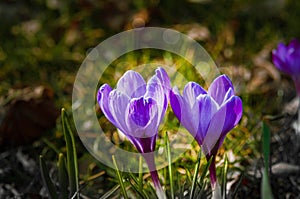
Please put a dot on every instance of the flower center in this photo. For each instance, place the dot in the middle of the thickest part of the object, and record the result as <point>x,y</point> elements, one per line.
<point>140,110</point>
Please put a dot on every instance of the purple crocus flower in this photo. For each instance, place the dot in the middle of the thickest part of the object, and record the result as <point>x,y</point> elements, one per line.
<point>208,116</point>
<point>287,59</point>
<point>137,109</point>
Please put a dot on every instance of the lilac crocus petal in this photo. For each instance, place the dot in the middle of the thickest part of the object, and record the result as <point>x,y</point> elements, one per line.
<point>143,118</point>
<point>118,103</point>
<point>219,88</point>
<point>190,111</point>
<point>228,95</point>
<point>281,51</point>
<point>103,101</point>
<point>287,60</point>
<point>139,111</point>
<point>293,60</point>
<point>191,91</point>
<point>132,84</point>
<point>207,109</point>
<point>155,90</point>
<point>232,111</point>
<point>176,102</point>
<point>279,63</point>
<point>183,110</point>
<point>294,43</point>
<point>162,75</point>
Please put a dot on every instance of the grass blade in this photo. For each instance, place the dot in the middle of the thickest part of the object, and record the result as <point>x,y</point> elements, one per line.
<point>265,185</point>
<point>120,178</point>
<point>62,177</point>
<point>266,144</point>
<point>46,179</point>
<point>72,166</point>
<point>224,177</point>
<point>140,181</point>
<point>203,175</point>
<point>110,192</point>
<point>136,186</point>
<point>168,149</point>
<point>194,182</point>
<point>266,188</point>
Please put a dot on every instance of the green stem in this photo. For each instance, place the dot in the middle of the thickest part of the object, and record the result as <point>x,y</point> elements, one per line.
<point>168,149</point>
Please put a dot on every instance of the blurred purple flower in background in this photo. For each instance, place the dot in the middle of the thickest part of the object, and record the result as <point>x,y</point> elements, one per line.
<point>137,109</point>
<point>287,59</point>
<point>208,116</point>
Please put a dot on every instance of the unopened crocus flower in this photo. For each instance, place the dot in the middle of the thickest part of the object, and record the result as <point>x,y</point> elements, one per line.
<point>137,108</point>
<point>287,59</point>
<point>208,115</point>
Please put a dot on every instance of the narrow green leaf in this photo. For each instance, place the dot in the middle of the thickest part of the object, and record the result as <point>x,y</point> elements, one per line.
<point>203,175</point>
<point>71,155</point>
<point>266,144</point>
<point>63,177</point>
<point>110,192</point>
<point>136,187</point>
<point>140,181</point>
<point>266,188</point>
<point>46,179</point>
<point>202,190</point>
<point>152,191</point>
<point>237,185</point>
<point>224,177</point>
<point>120,178</point>
<point>168,149</point>
<point>179,185</point>
<point>189,177</point>
<point>265,185</point>
<point>197,166</point>
<point>50,145</point>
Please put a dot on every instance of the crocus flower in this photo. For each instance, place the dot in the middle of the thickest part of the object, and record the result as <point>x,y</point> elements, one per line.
<point>287,59</point>
<point>208,116</point>
<point>137,108</point>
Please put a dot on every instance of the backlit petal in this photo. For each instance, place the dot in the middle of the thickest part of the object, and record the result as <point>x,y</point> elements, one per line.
<point>132,84</point>
<point>295,44</point>
<point>281,51</point>
<point>162,75</point>
<point>279,63</point>
<point>176,101</point>
<point>182,110</point>
<point>293,61</point>
<point>118,103</point>
<point>191,91</point>
<point>103,101</point>
<point>225,119</point>
<point>207,109</point>
<point>219,88</point>
<point>139,111</point>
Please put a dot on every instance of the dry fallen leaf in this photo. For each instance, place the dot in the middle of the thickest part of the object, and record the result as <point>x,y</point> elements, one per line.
<point>26,114</point>
<point>284,169</point>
